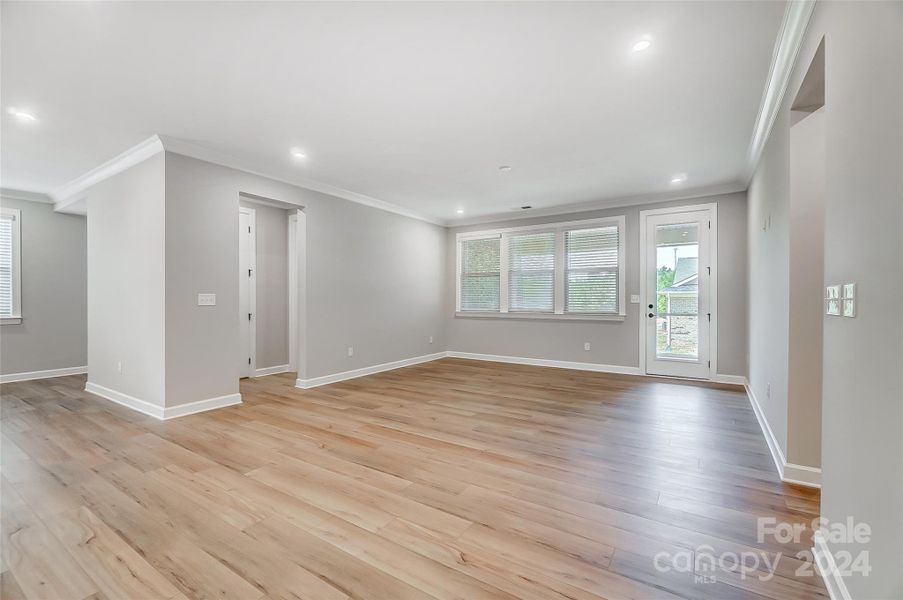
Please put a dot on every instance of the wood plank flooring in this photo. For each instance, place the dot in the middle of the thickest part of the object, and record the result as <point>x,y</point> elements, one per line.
<point>453,479</point>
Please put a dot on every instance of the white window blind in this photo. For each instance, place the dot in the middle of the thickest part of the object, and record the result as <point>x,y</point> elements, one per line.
<point>591,277</point>
<point>531,272</point>
<point>8,263</point>
<point>480,269</point>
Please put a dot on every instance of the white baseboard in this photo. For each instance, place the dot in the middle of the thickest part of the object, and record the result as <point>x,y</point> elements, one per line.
<point>141,406</point>
<point>271,370</point>
<point>802,475</point>
<point>733,379</point>
<point>160,412</point>
<point>517,360</point>
<point>543,362</point>
<point>824,563</point>
<point>171,412</point>
<point>788,472</point>
<point>29,375</point>
<point>306,384</point>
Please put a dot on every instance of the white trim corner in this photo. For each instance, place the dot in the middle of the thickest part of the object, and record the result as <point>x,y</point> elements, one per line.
<point>788,472</point>
<point>162,412</point>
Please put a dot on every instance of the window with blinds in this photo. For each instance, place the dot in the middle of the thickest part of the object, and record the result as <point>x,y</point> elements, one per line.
<point>531,272</point>
<point>9,263</point>
<point>591,271</point>
<point>570,270</point>
<point>480,274</point>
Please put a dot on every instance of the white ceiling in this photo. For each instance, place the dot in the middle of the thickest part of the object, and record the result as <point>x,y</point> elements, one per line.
<point>415,104</point>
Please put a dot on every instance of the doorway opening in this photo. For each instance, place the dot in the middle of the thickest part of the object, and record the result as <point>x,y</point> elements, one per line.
<point>272,241</point>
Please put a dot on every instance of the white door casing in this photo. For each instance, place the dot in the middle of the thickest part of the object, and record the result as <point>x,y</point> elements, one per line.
<point>247,291</point>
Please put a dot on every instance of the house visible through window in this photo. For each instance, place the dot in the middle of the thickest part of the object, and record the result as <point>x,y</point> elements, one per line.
<point>571,269</point>
<point>10,293</point>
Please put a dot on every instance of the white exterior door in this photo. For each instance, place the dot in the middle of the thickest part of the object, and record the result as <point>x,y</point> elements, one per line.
<point>677,307</point>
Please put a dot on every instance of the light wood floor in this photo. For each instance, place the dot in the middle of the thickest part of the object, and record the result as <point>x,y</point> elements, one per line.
<point>452,480</point>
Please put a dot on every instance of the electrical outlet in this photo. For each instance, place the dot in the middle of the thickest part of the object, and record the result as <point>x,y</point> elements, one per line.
<point>119,367</point>
<point>206,299</point>
<point>768,390</point>
<point>431,339</point>
<point>586,346</point>
<point>350,350</point>
<point>634,298</point>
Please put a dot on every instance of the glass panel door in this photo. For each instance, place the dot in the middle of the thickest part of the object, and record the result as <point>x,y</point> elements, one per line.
<point>677,319</point>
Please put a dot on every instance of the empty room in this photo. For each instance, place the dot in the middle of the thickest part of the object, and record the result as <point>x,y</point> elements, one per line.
<point>451,300</point>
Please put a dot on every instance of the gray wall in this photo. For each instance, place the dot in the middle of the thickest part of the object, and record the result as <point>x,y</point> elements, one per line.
<point>807,280</point>
<point>272,284</point>
<point>612,342</point>
<point>365,286</point>
<point>125,285</point>
<point>769,278</point>
<point>53,333</point>
<point>862,403</point>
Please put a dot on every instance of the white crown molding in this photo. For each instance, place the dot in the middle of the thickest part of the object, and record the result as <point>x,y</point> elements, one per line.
<point>218,157</point>
<point>621,202</point>
<point>29,375</point>
<point>786,49</point>
<point>71,193</point>
<point>25,195</point>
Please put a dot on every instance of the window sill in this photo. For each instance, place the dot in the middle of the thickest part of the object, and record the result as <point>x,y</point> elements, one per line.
<point>538,316</point>
<point>10,321</point>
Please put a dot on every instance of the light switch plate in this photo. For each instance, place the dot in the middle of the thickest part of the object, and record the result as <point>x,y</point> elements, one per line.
<point>832,300</point>
<point>849,300</point>
<point>634,298</point>
<point>206,299</point>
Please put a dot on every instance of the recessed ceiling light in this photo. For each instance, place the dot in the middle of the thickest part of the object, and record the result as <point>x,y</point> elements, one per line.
<point>22,115</point>
<point>460,211</point>
<point>504,168</point>
<point>678,179</point>
<point>641,45</point>
<point>298,153</point>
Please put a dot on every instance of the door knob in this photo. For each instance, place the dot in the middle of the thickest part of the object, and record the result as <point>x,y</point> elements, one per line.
<point>651,315</point>
<point>650,306</point>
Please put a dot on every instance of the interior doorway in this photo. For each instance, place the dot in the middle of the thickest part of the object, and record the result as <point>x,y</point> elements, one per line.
<point>678,275</point>
<point>247,290</point>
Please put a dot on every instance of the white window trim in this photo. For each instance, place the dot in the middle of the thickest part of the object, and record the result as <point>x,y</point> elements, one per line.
<point>559,229</point>
<point>16,215</point>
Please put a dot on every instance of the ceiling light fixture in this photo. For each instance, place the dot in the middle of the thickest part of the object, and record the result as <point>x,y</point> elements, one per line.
<point>299,154</point>
<point>643,44</point>
<point>460,211</point>
<point>678,179</point>
<point>504,168</point>
<point>22,115</point>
